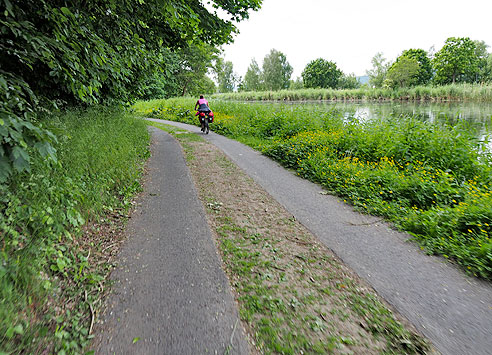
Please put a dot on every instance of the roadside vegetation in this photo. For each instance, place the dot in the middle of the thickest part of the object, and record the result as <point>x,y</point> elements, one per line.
<point>294,295</point>
<point>432,180</point>
<point>52,272</point>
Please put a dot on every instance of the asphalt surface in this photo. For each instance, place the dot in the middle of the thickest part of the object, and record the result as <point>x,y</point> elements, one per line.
<point>450,308</point>
<point>171,295</point>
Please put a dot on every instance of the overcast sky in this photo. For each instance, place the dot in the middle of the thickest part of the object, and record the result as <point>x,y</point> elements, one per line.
<point>351,32</point>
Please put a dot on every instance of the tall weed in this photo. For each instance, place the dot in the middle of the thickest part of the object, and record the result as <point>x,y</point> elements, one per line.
<point>100,155</point>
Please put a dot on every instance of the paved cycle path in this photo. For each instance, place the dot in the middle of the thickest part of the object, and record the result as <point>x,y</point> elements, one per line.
<point>171,295</point>
<point>451,309</point>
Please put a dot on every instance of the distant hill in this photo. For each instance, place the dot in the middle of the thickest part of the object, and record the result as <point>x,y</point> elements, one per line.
<point>363,79</point>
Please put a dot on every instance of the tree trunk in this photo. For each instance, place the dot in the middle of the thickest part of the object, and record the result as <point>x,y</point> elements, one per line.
<point>185,86</point>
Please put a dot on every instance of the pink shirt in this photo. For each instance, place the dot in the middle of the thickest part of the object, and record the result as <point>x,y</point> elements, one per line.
<point>202,101</point>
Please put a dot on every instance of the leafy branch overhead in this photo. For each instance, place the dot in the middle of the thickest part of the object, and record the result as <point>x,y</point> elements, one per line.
<point>56,54</point>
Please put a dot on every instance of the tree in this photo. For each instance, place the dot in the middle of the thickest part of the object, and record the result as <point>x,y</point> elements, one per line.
<point>481,74</point>
<point>296,84</point>
<point>204,86</point>
<point>424,74</point>
<point>487,73</point>
<point>252,78</point>
<point>86,52</point>
<point>184,72</point>
<point>403,72</point>
<point>456,61</point>
<point>276,71</point>
<point>193,64</point>
<point>348,82</point>
<point>225,76</point>
<point>378,72</point>
<point>321,73</point>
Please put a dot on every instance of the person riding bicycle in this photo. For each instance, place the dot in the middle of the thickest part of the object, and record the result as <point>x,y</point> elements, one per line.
<point>202,105</point>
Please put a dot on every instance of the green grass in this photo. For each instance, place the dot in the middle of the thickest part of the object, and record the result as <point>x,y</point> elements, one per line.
<point>44,261</point>
<point>456,92</point>
<point>431,180</point>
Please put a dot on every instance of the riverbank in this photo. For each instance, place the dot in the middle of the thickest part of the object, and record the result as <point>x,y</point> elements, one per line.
<point>445,93</point>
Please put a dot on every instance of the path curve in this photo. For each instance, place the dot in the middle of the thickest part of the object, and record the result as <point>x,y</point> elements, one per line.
<point>171,295</point>
<point>450,308</point>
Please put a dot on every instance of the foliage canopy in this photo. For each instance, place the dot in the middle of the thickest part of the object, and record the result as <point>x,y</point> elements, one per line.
<point>56,54</point>
<point>455,61</point>
<point>379,69</point>
<point>252,78</point>
<point>225,75</point>
<point>276,71</point>
<point>424,73</point>
<point>403,72</point>
<point>321,73</point>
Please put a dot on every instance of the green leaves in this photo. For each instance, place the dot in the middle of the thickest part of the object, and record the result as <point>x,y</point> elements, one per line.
<point>20,138</point>
<point>276,71</point>
<point>403,72</point>
<point>252,78</point>
<point>455,61</point>
<point>225,75</point>
<point>378,72</point>
<point>18,329</point>
<point>20,159</point>
<point>321,73</point>
<point>424,73</point>
<point>100,155</point>
<point>8,8</point>
<point>88,53</point>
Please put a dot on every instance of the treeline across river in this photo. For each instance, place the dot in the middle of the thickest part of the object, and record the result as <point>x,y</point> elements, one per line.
<point>429,179</point>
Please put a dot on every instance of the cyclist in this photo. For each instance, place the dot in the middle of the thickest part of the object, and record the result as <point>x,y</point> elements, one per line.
<point>202,105</point>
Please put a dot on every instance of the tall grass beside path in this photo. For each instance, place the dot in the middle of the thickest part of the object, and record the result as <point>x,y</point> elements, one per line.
<point>432,180</point>
<point>48,277</point>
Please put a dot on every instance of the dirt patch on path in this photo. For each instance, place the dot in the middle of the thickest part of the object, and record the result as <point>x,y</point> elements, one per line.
<point>294,294</point>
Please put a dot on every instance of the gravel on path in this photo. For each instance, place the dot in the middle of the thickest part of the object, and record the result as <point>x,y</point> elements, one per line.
<point>450,308</point>
<point>171,295</point>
